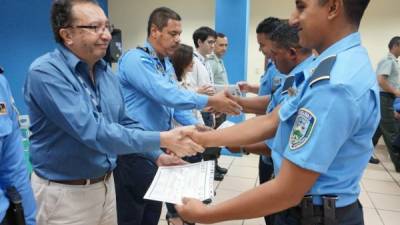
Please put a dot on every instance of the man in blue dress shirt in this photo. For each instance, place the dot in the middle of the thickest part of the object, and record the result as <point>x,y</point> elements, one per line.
<point>153,97</point>
<point>78,121</point>
<point>13,171</point>
<point>323,142</point>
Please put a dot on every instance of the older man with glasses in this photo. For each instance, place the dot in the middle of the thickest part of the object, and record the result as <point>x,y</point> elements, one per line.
<point>79,124</point>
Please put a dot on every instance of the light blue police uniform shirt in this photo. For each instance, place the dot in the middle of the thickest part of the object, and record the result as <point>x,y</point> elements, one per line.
<point>71,138</point>
<point>330,123</point>
<point>270,82</point>
<point>13,171</point>
<point>280,95</point>
<point>151,93</point>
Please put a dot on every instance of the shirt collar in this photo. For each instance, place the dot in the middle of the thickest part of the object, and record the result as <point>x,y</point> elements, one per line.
<point>345,43</point>
<point>199,56</point>
<point>390,55</point>
<point>152,51</point>
<point>301,66</point>
<point>73,61</point>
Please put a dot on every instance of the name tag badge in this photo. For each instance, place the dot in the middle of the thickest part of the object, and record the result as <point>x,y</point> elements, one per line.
<point>3,108</point>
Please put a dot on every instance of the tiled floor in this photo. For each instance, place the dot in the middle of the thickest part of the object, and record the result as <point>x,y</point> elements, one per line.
<point>380,186</point>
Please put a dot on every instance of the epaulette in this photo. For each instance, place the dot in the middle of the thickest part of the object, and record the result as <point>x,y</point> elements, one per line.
<point>288,84</point>
<point>323,70</point>
<point>145,49</point>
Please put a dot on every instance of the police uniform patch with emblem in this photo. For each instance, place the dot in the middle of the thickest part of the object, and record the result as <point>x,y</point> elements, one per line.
<point>3,108</point>
<point>302,129</point>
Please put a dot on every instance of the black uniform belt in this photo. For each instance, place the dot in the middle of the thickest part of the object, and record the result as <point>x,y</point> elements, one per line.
<point>319,209</point>
<point>327,214</point>
<point>387,94</point>
<point>105,177</point>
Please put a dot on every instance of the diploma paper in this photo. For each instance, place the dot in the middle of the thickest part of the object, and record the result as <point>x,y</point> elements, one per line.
<point>232,88</point>
<point>172,183</point>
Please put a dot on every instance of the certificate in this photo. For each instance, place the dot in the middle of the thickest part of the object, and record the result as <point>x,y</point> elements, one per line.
<point>233,89</point>
<point>172,183</point>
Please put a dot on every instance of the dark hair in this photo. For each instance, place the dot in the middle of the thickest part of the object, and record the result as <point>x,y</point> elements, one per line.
<point>221,35</point>
<point>181,59</point>
<point>287,37</point>
<point>395,41</point>
<point>202,34</point>
<point>354,9</point>
<point>61,15</point>
<point>160,17</point>
<point>268,25</point>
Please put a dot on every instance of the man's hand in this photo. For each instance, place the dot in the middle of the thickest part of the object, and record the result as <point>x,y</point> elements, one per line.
<point>396,115</point>
<point>206,89</point>
<point>222,102</point>
<point>178,143</point>
<point>169,160</point>
<point>193,210</point>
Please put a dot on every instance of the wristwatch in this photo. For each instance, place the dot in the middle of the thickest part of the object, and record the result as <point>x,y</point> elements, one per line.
<point>243,150</point>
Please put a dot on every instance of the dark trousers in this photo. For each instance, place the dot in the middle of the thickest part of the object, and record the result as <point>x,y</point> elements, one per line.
<point>265,171</point>
<point>352,217</point>
<point>388,127</point>
<point>133,176</point>
<point>212,153</point>
<point>4,222</point>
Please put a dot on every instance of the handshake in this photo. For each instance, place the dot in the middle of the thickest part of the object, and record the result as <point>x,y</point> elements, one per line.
<point>183,141</point>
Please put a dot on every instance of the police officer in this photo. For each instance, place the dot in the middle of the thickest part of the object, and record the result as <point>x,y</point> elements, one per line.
<point>13,171</point>
<point>318,161</point>
<point>291,59</point>
<point>153,97</point>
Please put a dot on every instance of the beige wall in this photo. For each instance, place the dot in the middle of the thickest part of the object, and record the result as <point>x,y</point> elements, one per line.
<point>380,23</point>
<point>131,17</point>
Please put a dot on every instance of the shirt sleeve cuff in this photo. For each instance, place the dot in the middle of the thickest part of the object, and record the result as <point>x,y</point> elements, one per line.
<point>202,101</point>
<point>149,140</point>
<point>153,155</point>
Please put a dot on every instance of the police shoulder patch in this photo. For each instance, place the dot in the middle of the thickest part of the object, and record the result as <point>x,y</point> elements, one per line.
<point>3,108</point>
<point>323,70</point>
<point>146,59</point>
<point>287,84</point>
<point>302,129</point>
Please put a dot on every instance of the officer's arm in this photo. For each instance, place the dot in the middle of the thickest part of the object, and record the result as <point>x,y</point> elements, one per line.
<point>259,148</point>
<point>251,131</point>
<point>256,105</point>
<point>283,192</point>
<point>13,171</point>
<point>386,86</point>
<point>142,75</point>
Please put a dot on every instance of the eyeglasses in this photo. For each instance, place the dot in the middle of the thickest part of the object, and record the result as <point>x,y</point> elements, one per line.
<point>98,29</point>
<point>210,42</point>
